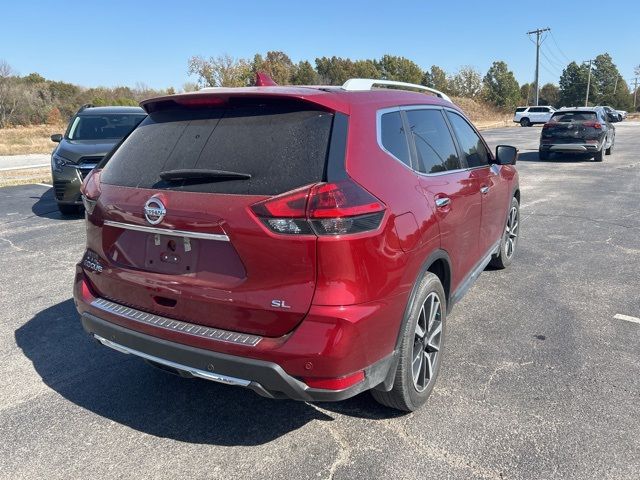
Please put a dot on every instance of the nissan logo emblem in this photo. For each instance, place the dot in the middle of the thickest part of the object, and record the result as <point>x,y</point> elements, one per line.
<point>154,211</point>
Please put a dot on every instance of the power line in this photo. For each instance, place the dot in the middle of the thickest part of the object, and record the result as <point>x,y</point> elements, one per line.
<point>538,32</point>
<point>558,47</point>
<point>553,61</point>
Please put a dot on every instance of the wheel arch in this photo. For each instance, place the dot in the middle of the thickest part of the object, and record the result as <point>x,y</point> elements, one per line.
<point>438,263</point>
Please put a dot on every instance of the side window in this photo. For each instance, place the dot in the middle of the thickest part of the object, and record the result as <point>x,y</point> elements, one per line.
<point>393,137</point>
<point>472,146</point>
<point>434,145</point>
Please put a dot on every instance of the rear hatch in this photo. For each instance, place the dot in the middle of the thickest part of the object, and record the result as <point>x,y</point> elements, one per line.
<point>572,127</point>
<point>177,231</point>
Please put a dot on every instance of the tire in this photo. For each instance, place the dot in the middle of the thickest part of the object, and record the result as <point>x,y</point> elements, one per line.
<point>509,241</point>
<point>525,122</point>
<point>598,155</point>
<point>609,150</point>
<point>411,391</point>
<point>69,209</point>
<point>543,154</point>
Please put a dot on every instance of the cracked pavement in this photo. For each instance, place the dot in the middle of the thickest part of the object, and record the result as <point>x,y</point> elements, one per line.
<point>538,379</point>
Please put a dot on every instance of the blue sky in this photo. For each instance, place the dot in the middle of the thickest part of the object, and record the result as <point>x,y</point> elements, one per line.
<point>120,43</point>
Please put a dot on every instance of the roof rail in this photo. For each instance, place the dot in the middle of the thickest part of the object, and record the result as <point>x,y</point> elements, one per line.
<point>354,84</point>
<point>86,105</point>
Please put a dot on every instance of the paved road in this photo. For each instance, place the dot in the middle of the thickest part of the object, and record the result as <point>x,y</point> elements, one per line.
<point>10,162</point>
<point>539,379</point>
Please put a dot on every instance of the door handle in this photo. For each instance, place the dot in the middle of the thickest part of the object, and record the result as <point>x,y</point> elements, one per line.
<point>442,202</point>
<point>484,190</point>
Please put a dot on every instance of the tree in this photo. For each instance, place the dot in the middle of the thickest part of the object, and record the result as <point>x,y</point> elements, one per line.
<point>436,78</point>
<point>334,70</point>
<point>606,80</point>
<point>501,86</point>
<point>366,69</point>
<point>277,65</point>
<point>400,69</point>
<point>466,83</point>
<point>9,94</point>
<point>525,93</point>
<point>221,71</point>
<point>549,95</point>
<point>304,74</point>
<point>573,85</point>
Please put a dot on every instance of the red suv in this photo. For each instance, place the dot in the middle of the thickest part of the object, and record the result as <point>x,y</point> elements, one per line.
<point>304,242</point>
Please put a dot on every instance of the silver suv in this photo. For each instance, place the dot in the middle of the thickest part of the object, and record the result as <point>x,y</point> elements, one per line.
<point>527,116</point>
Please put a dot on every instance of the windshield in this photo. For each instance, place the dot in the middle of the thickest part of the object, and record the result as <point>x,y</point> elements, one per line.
<point>103,127</point>
<point>573,116</point>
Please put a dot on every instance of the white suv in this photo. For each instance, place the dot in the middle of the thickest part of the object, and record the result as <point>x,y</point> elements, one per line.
<point>527,116</point>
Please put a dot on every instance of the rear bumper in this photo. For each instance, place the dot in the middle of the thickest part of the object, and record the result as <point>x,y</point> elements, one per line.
<point>570,147</point>
<point>265,378</point>
<point>331,343</point>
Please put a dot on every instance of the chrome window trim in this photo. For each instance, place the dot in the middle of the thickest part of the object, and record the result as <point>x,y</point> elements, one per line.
<point>166,231</point>
<point>379,115</point>
<point>401,108</point>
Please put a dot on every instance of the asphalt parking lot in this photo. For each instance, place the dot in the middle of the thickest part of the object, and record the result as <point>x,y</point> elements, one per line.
<point>539,378</point>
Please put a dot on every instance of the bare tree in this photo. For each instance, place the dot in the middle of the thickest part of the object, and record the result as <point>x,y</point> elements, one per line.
<point>221,71</point>
<point>9,96</point>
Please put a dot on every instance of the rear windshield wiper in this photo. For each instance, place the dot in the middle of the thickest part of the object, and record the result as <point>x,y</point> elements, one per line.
<point>198,174</point>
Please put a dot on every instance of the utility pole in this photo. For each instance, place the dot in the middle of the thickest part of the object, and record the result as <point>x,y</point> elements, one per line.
<point>586,99</point>
<point>538,32</point>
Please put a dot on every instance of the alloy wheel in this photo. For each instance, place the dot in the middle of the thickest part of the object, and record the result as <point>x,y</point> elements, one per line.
<point>426,344</point>
<point>511,232</point>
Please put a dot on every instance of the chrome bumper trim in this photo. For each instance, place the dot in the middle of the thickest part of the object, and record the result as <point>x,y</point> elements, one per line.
<point>166,231</point>
<point>196,372</point>
<point>175,325</point>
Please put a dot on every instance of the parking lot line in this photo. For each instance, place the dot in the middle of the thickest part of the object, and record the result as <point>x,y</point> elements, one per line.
<point>620,316</point>
<point>44,185</point>
<point>24,167</point>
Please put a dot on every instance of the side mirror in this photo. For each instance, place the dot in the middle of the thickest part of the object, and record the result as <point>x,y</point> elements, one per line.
<point>56,137</point>
<point>506,155</point>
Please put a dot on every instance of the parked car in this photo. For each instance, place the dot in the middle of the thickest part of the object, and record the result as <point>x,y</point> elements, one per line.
<point>303,242</point>
<point>91,133</point>
<point>622,113</point>
<point>613,113</point>
<point>579,130</point>
<point>529,116</point>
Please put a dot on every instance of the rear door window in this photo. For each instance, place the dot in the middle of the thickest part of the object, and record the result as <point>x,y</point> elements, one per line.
<point>434,146</point>
<point>393,137</point>
<point>282,146</point>
<point>472,146</point>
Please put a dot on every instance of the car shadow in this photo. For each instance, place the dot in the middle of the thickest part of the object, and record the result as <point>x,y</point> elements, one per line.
<point>45,206</point>
<point>534,156</point>
<point>126,390</point>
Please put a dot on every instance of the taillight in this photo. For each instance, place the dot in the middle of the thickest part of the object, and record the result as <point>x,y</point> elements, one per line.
<point>547,125</point>
<point>335,383</point>
<point>596,125</point>
<point>325,209</point>
<point>90,190</point>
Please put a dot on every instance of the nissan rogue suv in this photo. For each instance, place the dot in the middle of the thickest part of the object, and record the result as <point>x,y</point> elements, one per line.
<point>303,242</point>
<point>91,133</point>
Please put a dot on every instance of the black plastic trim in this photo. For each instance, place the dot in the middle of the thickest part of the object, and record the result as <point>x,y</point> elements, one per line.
<point>336,168</point>
<point>267,378</point>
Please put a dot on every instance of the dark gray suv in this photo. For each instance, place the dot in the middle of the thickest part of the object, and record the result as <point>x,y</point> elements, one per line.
<point>91,134</point>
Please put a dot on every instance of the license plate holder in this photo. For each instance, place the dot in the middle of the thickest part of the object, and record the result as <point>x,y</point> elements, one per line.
<point>171,254</point>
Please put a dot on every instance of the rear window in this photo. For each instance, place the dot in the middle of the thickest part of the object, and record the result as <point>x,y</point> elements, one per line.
<point>520,109</point>
<point>282,146</point>
<point>573,116</point>
<point>103,127</point>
